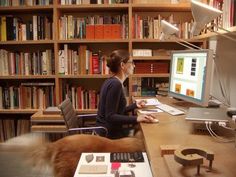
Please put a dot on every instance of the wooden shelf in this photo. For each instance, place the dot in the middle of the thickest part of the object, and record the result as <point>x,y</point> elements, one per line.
<point>215,35</point>
<point>27,42</point>
<point>150,75</point>
<point>18,111</point>
<point>29,77</point>
<point>36,8</point>
<point>164,7</point>
<point>151,58</point>
<point>49,128</point>
<point>164,41</point>
<point>56,11</point>
<point>40,117</point>
<point>84,76</point>
<point>94,41</point>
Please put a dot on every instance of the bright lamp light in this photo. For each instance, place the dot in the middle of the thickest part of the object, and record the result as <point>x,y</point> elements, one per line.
<point>202,15</point>
<point>167,29</point>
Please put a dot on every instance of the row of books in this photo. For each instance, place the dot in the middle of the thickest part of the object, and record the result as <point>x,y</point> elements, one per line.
<point>151,67</point>
<point>26,97</point>
<point>93,27</point>
<point>160,1</point>
<point>150,52</point>
<point>149,87</point>
<point>228,7</point>
<point>162,88</point>
<point>14,28</point>
<point>24,2</point>
<point>20,63</point>
<point>77,2</point>
<point>81,98</point>
<point>147,27</point>
<point>81,61</point>
<point>10,128</point>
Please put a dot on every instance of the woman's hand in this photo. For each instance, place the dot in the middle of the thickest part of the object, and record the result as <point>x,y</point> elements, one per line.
<point>141,103</point>
<point>148,118</point>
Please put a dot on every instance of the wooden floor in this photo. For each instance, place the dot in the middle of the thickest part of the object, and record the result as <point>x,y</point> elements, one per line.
<point>13,160</point>
<point>13,164</point>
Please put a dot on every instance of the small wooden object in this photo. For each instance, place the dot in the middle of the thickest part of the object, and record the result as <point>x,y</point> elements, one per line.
<point>168,149</point>
<point>188,156</point>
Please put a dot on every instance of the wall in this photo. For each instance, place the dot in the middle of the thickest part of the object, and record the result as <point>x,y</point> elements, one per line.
<point>226,63</point>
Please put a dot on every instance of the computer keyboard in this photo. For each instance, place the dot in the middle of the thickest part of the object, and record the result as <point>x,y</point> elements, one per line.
<point>126,157</point>
<point>169,109</point>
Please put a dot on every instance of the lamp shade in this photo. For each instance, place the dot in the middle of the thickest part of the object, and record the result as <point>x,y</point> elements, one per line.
<point>167,29</point>
<point>202,15</point>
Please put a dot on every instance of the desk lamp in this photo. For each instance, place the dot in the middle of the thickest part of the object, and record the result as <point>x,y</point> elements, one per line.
<point>170,31</point>
<point>204,14</point>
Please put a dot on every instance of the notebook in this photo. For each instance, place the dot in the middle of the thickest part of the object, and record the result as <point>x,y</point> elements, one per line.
<point>207,114</point>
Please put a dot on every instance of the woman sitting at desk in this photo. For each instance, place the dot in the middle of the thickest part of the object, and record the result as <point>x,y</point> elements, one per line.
<point>112,109</point>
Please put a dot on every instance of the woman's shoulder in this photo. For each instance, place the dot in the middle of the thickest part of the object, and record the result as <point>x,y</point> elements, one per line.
<point>113,82</point>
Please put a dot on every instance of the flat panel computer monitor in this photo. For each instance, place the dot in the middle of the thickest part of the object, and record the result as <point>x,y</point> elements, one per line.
<point>190,75</point>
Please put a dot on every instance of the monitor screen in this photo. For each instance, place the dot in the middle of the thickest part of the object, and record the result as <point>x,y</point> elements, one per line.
<point>190,75</point>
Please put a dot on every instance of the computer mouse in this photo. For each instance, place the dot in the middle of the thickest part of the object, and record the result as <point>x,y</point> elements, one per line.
<point>155,121</point>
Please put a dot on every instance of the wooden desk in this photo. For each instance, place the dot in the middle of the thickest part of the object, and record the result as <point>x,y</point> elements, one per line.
<point>49,123</point>
<point>175,130</point>
<point>52,123</point>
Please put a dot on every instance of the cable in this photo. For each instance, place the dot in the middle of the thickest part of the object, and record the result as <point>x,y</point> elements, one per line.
<point>215,136</point>
<point>228,128</point>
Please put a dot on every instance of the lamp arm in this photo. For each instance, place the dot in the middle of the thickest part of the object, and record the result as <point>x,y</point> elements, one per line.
<point>195,46</point>
<point>228,37</point>
<point>186,44</point>
<point>225,30</point>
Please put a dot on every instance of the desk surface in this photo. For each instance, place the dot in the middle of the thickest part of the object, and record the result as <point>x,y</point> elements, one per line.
<point>175,130</point>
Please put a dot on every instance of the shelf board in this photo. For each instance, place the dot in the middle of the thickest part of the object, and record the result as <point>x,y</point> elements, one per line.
<point>164,41</point>
<point>92,76</point>
<point>93,7</point>
<point>48,128</point>
<point>37,8</point>
<point>18,111</point>
<point>28,77</point>
<point>214,35</point>
<point>151,58</point>
<point>150,75</point>
<point>27,42</point>
<point>162,7</point>
<point>94,41</point>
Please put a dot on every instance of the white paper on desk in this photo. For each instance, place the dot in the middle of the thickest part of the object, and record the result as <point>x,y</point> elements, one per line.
<point>149,111</point>
<point>150,101</point>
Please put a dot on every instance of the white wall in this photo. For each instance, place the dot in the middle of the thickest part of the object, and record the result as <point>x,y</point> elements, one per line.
<point>226,62</point>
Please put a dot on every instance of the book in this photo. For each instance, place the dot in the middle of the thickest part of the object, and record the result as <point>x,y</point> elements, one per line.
<point>52,110</point>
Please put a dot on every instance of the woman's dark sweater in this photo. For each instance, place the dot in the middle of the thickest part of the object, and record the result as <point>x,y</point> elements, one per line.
<point>112,109</point>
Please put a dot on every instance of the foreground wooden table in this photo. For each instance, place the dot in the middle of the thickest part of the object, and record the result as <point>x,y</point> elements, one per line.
<point>175,130</point>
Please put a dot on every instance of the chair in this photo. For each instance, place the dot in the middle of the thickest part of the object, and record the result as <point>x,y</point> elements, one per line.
<point>75,122</point>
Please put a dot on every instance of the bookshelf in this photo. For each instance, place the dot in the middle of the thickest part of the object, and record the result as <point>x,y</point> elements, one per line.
<point>55,13</point>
